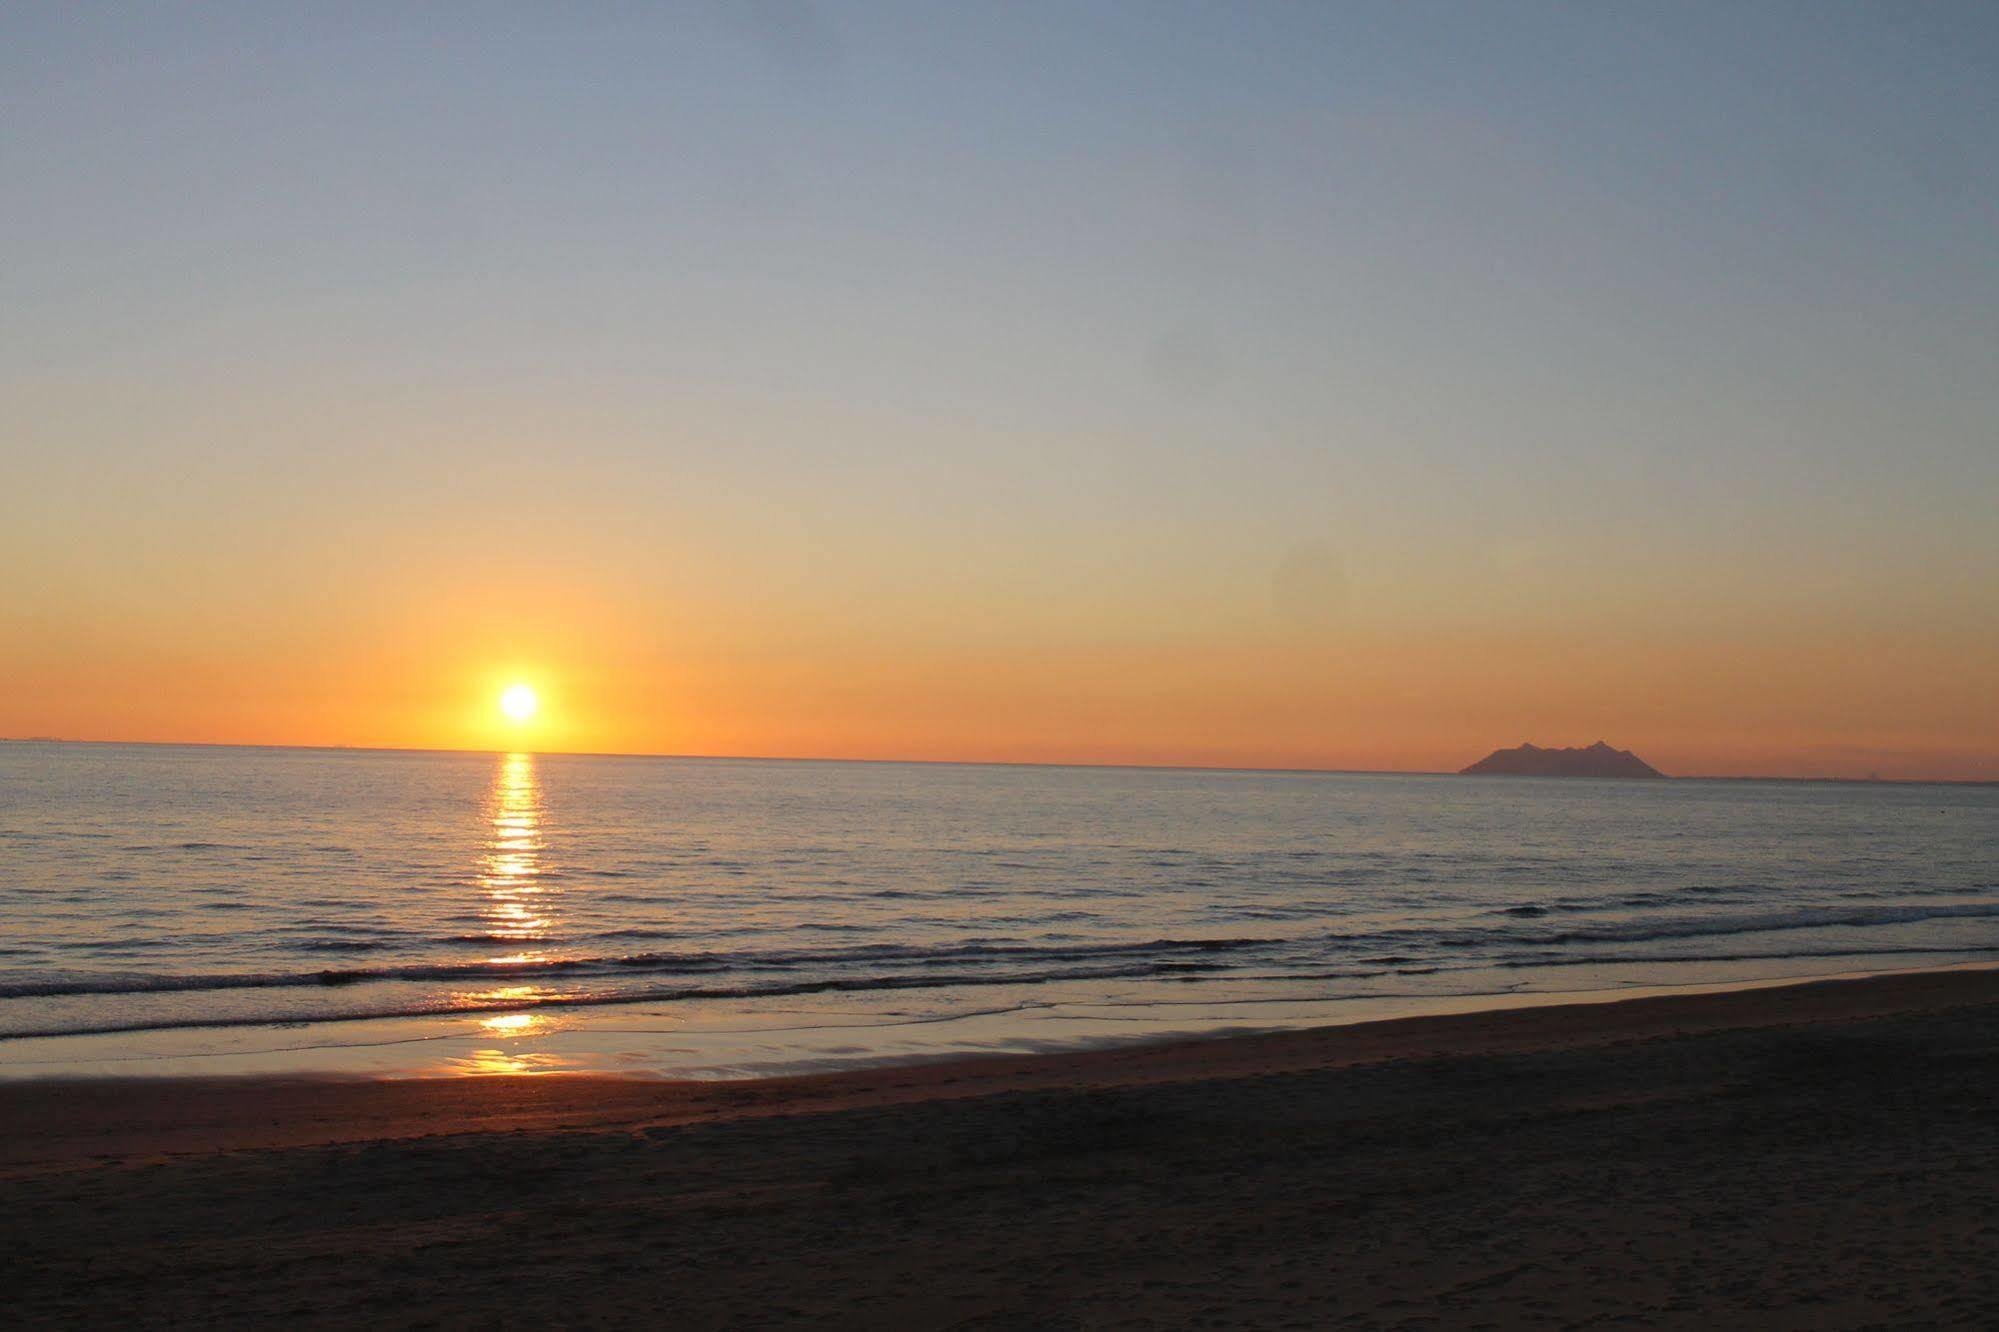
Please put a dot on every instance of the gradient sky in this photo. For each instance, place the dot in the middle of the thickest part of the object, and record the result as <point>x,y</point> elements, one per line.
<point>1342,385</point>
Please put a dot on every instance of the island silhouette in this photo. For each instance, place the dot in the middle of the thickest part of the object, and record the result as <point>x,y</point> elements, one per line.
<point>1530,760</point>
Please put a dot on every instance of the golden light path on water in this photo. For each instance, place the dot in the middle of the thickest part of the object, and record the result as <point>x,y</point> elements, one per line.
<point>516,906</point>
<point>520,908</point>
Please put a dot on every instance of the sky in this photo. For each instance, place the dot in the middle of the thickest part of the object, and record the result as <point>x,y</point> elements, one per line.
<point>1279,385</point>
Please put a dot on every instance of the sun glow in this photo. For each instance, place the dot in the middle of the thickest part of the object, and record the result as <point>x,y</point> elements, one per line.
<point>519,702</point>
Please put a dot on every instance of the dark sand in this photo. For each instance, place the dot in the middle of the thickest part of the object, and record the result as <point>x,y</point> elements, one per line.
<point>1813,1156</point>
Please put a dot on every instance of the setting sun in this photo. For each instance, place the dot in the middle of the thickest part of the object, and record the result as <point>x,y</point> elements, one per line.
<point>519,702</point>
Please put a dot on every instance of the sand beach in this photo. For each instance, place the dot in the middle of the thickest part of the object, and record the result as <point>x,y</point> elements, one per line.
<point>1819,1155</point>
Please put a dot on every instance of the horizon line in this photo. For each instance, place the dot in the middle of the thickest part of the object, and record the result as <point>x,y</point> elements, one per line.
<point>977,763</point>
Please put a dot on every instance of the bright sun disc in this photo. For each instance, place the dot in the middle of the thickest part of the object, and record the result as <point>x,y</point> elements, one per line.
<point>519,702</point>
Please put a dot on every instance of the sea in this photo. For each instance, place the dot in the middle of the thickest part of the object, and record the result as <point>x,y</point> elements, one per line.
<point>219,910</point>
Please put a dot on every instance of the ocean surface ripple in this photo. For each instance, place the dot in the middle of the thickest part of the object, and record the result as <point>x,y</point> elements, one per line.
<point>157,887</point>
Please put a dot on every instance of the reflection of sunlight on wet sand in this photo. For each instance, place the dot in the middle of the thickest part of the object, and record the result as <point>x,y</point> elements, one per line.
<point>510,1058</point>
<point>496,1061</point>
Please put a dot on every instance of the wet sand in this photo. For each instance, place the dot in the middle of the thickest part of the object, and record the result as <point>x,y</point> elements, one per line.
<point>1821,1155</point>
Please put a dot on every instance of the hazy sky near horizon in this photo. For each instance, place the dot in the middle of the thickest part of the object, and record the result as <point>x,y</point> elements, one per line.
<point>1351,385</point>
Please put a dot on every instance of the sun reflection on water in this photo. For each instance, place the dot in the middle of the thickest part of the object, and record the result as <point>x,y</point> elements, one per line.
<point>518,906</point>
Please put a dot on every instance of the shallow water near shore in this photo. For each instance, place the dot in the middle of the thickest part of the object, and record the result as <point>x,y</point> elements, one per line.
<point>255,910</point>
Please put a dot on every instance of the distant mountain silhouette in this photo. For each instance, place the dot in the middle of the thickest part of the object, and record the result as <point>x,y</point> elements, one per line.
<point>1599,760</point>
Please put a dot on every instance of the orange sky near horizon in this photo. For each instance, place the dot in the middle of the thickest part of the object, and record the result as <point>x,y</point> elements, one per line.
<point>1810,704</point>
<point>926,606</point>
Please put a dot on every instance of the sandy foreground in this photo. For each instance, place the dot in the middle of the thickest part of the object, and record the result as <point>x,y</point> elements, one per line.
<point>1822,1155</point>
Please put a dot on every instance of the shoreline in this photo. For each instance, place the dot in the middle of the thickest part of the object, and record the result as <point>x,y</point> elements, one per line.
<point>56,1117</point>
<point>724,1044</point>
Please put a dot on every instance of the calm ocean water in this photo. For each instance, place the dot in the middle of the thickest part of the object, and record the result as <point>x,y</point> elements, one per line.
<point>168,897</point>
